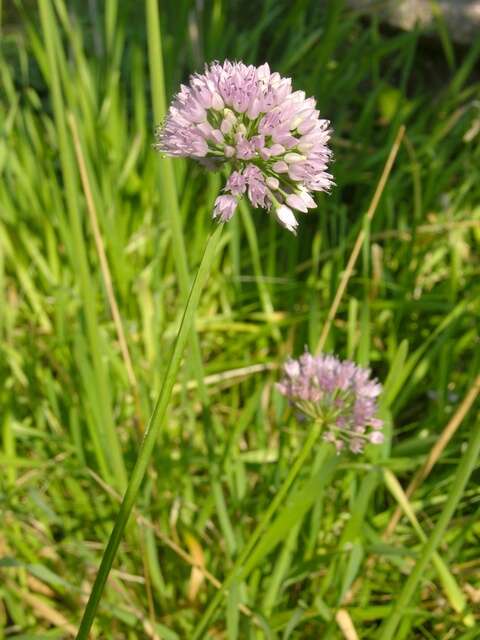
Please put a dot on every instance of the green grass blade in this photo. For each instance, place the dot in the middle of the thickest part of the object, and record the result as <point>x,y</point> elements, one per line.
<point>260,530</point>
<point>464,470</point>
<point>450,586</point>
<point>113,450</point>
<point>156,422</point>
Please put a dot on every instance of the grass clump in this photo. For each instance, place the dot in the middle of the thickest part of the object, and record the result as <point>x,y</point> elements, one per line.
<point>72,410</point>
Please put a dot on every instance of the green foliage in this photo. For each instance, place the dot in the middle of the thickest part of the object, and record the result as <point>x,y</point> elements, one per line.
<point>70,418</point>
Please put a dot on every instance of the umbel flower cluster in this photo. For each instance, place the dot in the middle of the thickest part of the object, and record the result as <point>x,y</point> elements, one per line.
<point>248,119</point>
<point>341,395</point>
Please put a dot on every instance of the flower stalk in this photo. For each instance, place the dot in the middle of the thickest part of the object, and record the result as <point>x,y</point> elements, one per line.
<point>238,570</point>
<point>156,422</point>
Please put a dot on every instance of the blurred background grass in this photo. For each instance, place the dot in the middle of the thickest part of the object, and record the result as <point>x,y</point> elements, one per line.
<point>81,89</point>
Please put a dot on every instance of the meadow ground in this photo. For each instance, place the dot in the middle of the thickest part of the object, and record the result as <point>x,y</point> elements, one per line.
<point>348,553</point>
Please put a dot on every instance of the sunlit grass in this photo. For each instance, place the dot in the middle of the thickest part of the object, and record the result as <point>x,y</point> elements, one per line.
<point>69,416</point>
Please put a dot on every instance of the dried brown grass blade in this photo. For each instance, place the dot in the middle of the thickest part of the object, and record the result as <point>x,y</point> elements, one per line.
<point>360,238</point>
<point>436,451</point>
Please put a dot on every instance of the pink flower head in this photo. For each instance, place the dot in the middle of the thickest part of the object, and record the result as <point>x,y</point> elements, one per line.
<point>341,395</point>
<point>249,119</point>
<point>224,207</point>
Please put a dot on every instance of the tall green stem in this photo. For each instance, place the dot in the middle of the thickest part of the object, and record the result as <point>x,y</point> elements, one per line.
<point>170,201</point>
<point>464,470</point>
<point>236,571</point>
<point>157,420</point>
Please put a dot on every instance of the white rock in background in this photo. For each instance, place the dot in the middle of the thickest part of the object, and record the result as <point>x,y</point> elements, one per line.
<point>462,17</point>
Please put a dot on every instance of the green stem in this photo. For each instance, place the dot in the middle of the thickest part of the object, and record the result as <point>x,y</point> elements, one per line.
<point>236,572</point>
<point>157,420</point>
<point>172,213</point>
<point>281,568</point>
<point>464,470</point>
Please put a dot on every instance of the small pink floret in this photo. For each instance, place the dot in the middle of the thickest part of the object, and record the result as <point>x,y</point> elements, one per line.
<point>224,207</point>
